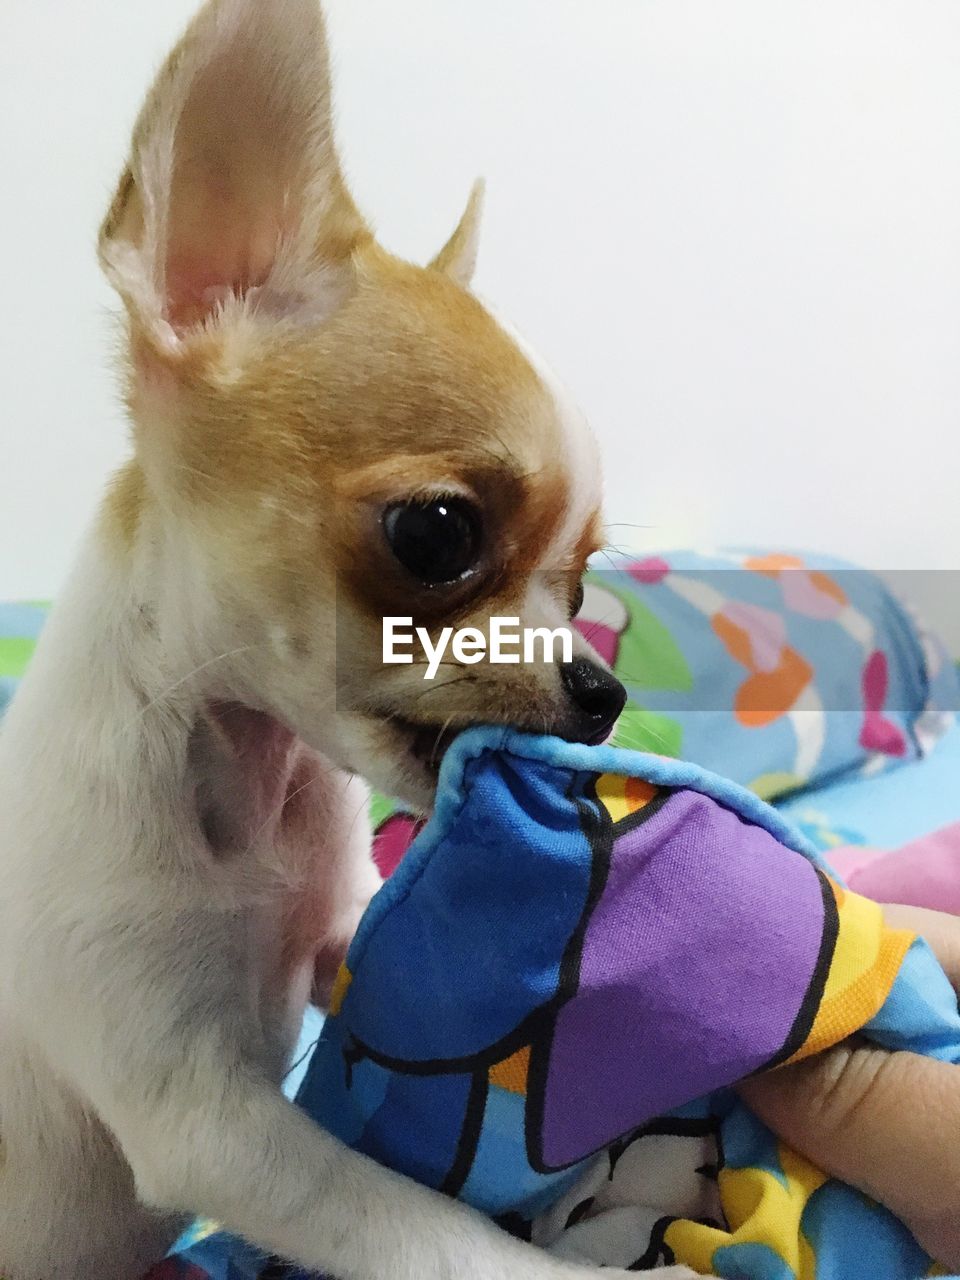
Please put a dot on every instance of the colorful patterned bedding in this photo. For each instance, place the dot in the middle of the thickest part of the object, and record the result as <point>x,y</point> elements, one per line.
<point>885,810</point>
<point>773,670</point>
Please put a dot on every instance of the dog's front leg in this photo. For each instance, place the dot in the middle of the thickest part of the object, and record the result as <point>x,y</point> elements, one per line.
<point>237,1151</point>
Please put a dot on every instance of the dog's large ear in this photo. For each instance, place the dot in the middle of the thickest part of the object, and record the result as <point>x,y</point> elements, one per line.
<point>234,197</point>
<point>458,257</point>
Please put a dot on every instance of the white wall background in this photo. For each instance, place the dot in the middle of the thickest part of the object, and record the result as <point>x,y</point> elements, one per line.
<point>733,225</point>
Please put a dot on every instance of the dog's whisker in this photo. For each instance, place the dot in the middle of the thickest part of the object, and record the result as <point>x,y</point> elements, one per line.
<point>277,811</point>
<point>590,628</point>
<point>641,737</point>
<point>468,677</point>
<point>605,552</point>
<point>220,657</point>
<point>439,738</point>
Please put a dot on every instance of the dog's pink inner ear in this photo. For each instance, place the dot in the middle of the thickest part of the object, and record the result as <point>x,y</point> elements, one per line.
<point>234,183</point>
<point>196,285</point>
<point>227,257</point>
<point>238,183</point>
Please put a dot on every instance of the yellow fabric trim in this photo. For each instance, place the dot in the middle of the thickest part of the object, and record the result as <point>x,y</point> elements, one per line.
<point>340,988</point>
<point>865,964</point>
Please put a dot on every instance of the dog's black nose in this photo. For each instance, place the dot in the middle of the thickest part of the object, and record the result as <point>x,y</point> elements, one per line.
<point>597,695</point>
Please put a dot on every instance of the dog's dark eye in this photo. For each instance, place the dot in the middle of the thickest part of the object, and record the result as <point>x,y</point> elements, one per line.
<point>576,604</point>
<point>438,540</point>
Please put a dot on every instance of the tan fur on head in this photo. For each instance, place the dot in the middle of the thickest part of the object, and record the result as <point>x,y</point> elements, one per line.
<point>289,379</point>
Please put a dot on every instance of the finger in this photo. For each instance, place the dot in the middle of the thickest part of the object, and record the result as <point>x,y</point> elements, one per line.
<point>941,931</point>
<point>885,1122</point>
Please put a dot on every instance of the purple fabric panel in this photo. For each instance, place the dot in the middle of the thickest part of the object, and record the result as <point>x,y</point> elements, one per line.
<point>668,1006</point>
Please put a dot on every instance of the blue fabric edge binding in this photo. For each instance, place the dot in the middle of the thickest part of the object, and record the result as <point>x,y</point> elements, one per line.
<point>453,791</point>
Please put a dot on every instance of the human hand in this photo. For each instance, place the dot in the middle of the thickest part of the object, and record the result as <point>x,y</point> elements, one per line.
<point>887,1123</point>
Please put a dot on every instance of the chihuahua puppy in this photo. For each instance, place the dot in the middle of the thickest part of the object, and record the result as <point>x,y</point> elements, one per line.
<point>323,435</point>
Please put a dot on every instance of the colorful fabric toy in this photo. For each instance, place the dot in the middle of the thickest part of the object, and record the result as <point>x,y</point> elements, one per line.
<point>544,1007</point>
